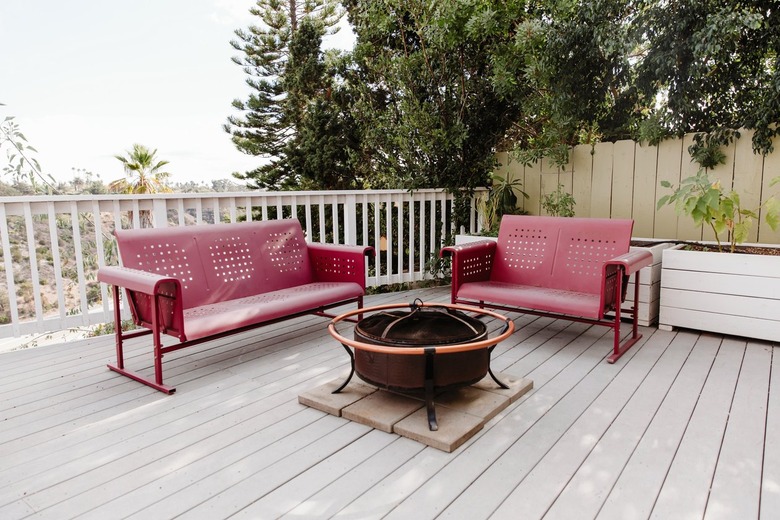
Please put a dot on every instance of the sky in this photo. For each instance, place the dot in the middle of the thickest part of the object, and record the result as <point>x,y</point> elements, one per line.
<point>86,79</point>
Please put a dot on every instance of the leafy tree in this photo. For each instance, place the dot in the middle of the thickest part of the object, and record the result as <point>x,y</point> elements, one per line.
<point>429,109</point>
<point>710,66</point>
<point>572,60</point>
<point>271,115</point>
<point>320,155</point>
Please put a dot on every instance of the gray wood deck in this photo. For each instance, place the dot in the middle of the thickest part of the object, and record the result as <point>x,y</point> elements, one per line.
<point>685,425</point>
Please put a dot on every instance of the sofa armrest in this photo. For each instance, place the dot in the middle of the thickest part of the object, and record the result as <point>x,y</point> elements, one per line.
<point>632,261</point>
<point>134,279</point>
<point>339,263</point>
<point>472,262</point>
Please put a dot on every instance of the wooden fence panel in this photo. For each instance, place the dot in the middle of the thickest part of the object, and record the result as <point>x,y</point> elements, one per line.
<point>533,186</point>
<point>669,157</point>
<point>623,179</point>
<point>581,161</point>
<point>645,190</point>
<point>725,174</point>
<point>601,196</point>
<point>748,168</point>
<point>686,230</point>
<point>771,170</point>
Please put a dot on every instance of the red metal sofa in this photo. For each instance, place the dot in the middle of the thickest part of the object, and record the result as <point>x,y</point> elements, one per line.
<point>573,268</point>
<point>197,283</point>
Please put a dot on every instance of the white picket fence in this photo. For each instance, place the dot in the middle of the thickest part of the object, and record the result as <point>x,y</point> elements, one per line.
<point>53,245</point>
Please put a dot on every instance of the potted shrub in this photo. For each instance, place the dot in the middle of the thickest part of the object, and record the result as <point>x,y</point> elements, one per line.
<point>717,287</point>
<point>499,201</point>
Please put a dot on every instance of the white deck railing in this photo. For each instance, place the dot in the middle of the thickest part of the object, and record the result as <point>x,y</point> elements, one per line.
<point>52,247</point>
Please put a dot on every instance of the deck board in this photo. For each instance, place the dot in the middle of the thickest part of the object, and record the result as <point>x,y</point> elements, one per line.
<point>684,425</point>
<point>634,493</point>
<point>737,481</point>
<point>686,488</point>
<point>609,432</point>
<point>770,486</point>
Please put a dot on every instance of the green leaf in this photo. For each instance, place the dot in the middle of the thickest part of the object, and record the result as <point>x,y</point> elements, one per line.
<point>741,231</point>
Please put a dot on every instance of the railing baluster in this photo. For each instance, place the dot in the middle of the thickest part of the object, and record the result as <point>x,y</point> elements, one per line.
<point>79,254</point>
<point>33,261</point>
<point>55,255</point>
<point>9,271</point>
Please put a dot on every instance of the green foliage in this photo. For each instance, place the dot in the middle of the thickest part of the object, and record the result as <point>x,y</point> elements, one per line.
<point>500,200</point>
<point>285,73</point>
<point>430,112</point>
<point>708,66</point>
<point>104,329</point>
<point>320,154</point>
<point>706,151</point>
<point>21,162</point>
<point>559,203</point>
<point>706,203</point>
<point>576,70</point>
<point>433,89</point>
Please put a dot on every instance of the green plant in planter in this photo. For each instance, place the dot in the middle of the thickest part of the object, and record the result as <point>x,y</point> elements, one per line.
<point>500,200</point>
<point>559,203</point>
<point>704,200</point>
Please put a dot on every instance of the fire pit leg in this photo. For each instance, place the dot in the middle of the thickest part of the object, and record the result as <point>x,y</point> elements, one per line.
<point>490,371</point>
<point>430,352</point>
<point>351,371</point>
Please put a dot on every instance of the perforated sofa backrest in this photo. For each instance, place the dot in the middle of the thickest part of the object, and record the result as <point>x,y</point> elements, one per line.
<point>559,253</point>
<point>223,261</point>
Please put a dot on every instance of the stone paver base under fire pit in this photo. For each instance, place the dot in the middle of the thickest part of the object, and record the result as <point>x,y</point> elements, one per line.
<point>461,413</point>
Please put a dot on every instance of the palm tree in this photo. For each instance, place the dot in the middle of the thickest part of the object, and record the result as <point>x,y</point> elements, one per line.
<point>143,174</point>
<point>143,170</point>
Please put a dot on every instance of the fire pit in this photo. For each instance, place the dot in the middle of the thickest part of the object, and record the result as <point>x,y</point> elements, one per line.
<point>429,348</point>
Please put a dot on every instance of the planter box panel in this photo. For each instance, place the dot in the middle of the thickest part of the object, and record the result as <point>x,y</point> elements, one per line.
<point>722,304</point>
<point>733,294</point>
<point>649,284</point>
<point>710,262</point>
<point>718,283</point>
<point>719,323</point>
<point>647,293</point>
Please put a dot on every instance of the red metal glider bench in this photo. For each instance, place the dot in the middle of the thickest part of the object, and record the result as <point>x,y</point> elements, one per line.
<point>201,282</point>
<point>572,268</point>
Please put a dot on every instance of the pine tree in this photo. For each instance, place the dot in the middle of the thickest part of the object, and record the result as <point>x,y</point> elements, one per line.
<point>271,116</point>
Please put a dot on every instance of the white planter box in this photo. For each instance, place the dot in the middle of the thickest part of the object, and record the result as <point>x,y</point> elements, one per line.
<point>649,278</point>
<point>726,293</point>
<point>649,283</point>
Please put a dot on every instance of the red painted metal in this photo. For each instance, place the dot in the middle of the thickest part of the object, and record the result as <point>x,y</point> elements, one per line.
<point>573,268</point>
<point>198,283</point>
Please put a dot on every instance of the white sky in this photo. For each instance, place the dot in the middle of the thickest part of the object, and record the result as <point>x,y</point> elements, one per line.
<point>86,79</point>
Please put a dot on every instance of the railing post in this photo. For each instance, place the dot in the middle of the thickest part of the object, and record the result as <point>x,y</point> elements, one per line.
<point>350,220</point>
<point>160,211</point>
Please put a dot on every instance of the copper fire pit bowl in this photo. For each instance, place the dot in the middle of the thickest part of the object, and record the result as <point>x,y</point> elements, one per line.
<point>429,348</point>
